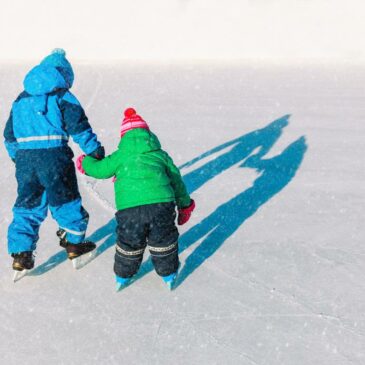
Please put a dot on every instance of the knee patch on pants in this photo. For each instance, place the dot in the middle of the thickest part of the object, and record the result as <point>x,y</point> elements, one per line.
<point>131,255</point>
<point>163,251</point>
<point>127,261</point>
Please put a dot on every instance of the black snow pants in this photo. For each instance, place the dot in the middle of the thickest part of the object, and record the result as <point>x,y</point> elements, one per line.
<point>152,225</point>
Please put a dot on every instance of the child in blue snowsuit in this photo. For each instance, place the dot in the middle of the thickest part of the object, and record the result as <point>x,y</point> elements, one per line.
<point>36,136</point>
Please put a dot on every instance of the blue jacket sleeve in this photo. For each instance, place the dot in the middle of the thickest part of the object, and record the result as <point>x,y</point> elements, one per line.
<point>77,124</point>
<point>10,140</point>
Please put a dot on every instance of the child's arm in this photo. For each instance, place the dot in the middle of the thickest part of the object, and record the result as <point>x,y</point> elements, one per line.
<point>181,195</point>
<point>101,169</point>
<point>77,125</point>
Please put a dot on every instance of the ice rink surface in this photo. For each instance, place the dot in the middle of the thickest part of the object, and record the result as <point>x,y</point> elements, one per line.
<point>273,259</point>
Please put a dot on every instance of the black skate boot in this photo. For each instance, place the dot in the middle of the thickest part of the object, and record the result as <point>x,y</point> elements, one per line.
<point>23,260</point>
<point>74,250</point>
<point>61,234</point>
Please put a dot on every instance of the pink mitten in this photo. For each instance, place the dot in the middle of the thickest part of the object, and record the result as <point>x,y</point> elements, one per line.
<point>79,163</point>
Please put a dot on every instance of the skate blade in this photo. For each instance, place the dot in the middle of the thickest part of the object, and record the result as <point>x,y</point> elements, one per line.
<point>119,287</point>
<point>170,285</point>
<point>19,275</point>
<point>80,261</point>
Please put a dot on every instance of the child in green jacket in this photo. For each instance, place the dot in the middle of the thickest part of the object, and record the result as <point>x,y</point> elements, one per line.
<point>148,186</point>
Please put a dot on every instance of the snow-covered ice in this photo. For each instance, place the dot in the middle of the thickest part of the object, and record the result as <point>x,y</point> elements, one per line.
<point>273,259</point>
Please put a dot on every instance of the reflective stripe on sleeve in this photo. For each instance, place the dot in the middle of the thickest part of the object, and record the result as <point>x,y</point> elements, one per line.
<point>41,138</point>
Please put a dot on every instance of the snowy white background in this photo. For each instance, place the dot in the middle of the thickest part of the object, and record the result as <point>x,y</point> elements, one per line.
<point>285,30</point>
<point>273,258</point>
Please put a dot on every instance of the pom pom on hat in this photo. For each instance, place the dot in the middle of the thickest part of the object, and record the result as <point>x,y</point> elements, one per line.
<point>129,112</point>
<point>59,51</point>
<point>132,121</point>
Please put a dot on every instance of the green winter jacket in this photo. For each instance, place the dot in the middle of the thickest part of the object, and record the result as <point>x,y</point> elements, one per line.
<point>145,174</point>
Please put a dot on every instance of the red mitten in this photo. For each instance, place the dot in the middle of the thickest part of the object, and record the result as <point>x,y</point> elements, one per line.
<point>185,213</point>
<point>79,163</point>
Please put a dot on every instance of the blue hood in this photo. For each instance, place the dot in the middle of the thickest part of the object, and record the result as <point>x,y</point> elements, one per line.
<point>58,60</point>
<point>54,72</point>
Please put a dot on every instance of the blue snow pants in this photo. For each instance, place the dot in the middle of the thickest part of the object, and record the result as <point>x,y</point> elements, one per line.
<point>46,179</point>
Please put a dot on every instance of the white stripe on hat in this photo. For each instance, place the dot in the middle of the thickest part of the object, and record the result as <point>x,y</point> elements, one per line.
<point>132,125</point>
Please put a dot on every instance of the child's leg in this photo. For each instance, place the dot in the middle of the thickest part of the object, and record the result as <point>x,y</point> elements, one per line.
<point>23,230</point>
<point>163,239</point>
<point>59,178</point>
<point>29,211</point>
<point>131,241</point>
<point>72,218</point>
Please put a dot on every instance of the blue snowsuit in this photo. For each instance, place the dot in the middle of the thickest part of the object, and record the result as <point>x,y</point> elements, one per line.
<point>42,118</point>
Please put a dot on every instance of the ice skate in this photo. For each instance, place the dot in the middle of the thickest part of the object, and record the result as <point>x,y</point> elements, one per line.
<point>23,262</point>
<point>80,254</point>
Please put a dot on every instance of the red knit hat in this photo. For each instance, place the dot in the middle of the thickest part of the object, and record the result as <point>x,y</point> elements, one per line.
<point>131,121</point>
